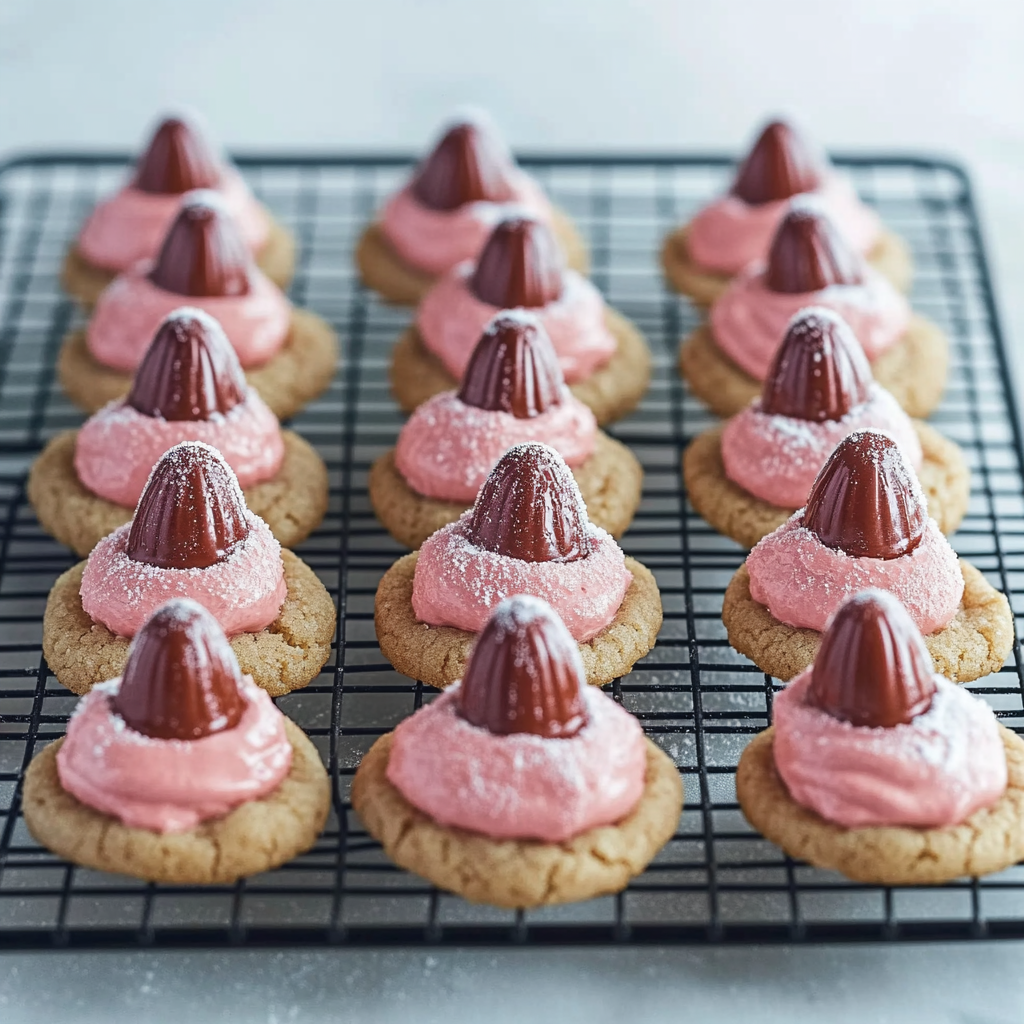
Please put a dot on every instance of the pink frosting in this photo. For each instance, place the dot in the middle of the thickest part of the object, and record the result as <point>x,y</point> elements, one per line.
<point>451,319</point>
<point>459,584</point>
<point>435,240</point>
<point>131,224</point>
<point>776,458</point>
<point>729,233</point>
<point>749,321</point>
<point>520,786</point>
<point>802,582</point>
<point>171,785</point>
<point>933,772</point>
<point>447,448</point>
<point>118,447</point>
<point>244,592</point>
<point>131,308</point>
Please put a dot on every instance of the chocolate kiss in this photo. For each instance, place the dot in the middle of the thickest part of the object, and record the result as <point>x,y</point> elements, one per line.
<point>808,254</point>
<point>181,680</point>
<point>525,674</point>
<point>513,368</point>
<point>468,165</point>
<point>191,514</point>
<point>521,265</point>
<point>189,372</point>
<point>820,371</point>
<point>872,668</point>
<point>530,508</point>
<point>866,500</point>
<point>202,253</point>
<point>177,159</point>
<point>780,165</point>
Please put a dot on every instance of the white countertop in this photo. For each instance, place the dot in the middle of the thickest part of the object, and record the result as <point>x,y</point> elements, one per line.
<point>576,74</point>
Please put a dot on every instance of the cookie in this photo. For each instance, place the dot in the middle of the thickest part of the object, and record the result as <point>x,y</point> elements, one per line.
<point>914,370</point>
<point>610,482</point>
<point>734,512</point>
<point>989,840</point>
<point>437,655</point>
<point>85,280</point>
<point>890,255</point>
<point>612,392</point>
<point>518,872</point>
<point>285,656</point>
<point>384,271</point>
<point>292,504</point>
<point>300,371</point>
<point>975,643</point>
<point>254,837</point>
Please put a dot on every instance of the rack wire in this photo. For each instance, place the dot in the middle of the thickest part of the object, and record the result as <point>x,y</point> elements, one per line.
<point>716,881</point>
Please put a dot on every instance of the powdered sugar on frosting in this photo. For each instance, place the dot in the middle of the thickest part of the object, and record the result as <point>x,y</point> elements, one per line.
<point>458,584</point>
<point>933,772</point>
<point>447,448</point>
<point>117,448</point>
<point>776,458</point>
<point>749,321</point>
<point>131,308</point>
<point>520,786</point>
<point>802,582</point>
<point>131,224</point>
<point>729,233</point>
<point>171,785</point>
<point>244,592</point>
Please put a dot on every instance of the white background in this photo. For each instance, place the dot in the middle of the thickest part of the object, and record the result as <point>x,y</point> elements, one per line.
<point>944,77</point>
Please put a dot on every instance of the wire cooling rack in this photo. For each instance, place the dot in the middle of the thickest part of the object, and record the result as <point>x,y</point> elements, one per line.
<point>717,881</point>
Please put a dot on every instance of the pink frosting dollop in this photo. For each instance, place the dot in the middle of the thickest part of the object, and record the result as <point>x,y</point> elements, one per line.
<point>435,240</point>
<point>802,582</point>
<point>130,225</point>
<point>729,232</point>
<point>520,786</point>
<point>459,584</point>
<point>749,321</point>
<point>932,772</point>
<point>446,448</point>
<point>131,308</point>
<point>244,592</point>
<point>451,319</point>
<point>118,447</point>
<point>171,785</point>
<point>776,458</point>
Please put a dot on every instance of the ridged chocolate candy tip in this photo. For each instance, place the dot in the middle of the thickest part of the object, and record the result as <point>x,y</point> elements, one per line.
<point>820,371</point>
<point>530,508</point>
<point>203,254</point>
<point>467,165</point>
<point>780,164</point>
<point>872,668</point>
<point>191,514</point>
<point>182,679</point>
<point>866,500</point>
<point>808,253</point>
<point>177,159</point>
<point>521,265</point>
<point>189,372</point>
<point>525,674</point>
<point>513,368</point>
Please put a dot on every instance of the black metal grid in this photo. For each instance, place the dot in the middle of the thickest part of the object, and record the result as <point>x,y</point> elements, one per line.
<point>716,881</point>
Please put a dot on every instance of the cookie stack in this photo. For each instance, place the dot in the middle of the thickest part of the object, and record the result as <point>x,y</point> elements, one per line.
<point>521,784</point>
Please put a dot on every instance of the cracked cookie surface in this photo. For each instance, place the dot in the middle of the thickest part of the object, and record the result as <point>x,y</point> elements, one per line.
<point>285,656</point>
<point>254,837</point>
<point>437,655</point>
<point>975,643</point>
<point>989,840</point>
<point>519,872</point>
